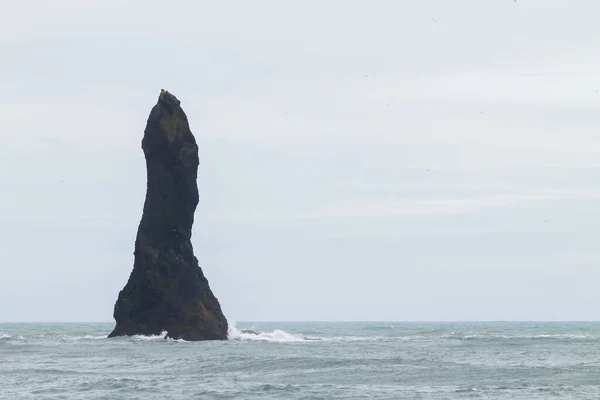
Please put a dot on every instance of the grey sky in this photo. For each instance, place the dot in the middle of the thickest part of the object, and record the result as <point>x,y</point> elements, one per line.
<point>317,122</point>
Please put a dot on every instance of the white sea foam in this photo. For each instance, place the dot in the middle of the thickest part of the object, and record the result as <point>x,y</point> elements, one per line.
<point>4,336</point>
<point>152,338</point>
<point>70,338</point>
<point>162,336</point>
<point>90,337</point>
<point>276,335</point>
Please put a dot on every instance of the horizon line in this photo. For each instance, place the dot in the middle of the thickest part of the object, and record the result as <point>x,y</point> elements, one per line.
<point>335,321</point>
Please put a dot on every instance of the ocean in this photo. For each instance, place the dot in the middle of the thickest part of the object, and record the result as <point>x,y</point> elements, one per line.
<point>375,360</point>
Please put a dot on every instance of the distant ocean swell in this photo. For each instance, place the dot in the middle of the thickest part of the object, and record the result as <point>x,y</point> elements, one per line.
<point>278,335</point>
<point>431,361</point>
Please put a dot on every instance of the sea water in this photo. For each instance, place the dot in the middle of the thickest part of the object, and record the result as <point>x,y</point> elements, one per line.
<point>376,360</point>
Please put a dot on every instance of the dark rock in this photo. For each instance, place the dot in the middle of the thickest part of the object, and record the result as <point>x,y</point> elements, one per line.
<point>167,290</point>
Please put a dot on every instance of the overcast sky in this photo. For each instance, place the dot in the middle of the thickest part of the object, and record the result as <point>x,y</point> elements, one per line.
<point>359,160</point>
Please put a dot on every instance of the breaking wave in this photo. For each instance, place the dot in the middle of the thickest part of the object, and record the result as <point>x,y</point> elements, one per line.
<point>151,338</point>
<point>162,336</point>
<point>276,335</point>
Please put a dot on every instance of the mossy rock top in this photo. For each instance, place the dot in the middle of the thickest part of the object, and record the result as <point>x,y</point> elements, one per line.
<point>167,98</point>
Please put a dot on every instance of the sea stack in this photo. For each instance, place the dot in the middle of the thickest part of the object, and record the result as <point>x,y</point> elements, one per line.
<point>167,290</point>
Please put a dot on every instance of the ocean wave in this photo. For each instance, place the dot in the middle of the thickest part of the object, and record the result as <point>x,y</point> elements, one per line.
<point>276,335</point>
<point>148,338</point>
<point>499,337</point>
<point>74,338</point>
<point>152,338</point>
<point>90,337</point>
<point>487,337</point>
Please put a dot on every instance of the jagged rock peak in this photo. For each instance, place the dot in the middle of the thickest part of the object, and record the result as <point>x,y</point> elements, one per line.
<point>168,99</point>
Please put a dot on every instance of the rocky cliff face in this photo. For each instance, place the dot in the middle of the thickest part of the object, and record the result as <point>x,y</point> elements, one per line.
<point>167,290</point>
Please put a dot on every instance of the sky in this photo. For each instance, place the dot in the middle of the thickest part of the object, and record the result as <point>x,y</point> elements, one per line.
<point>427,160</point>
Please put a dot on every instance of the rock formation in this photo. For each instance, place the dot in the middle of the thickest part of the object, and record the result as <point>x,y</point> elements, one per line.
<point>167,290</point>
